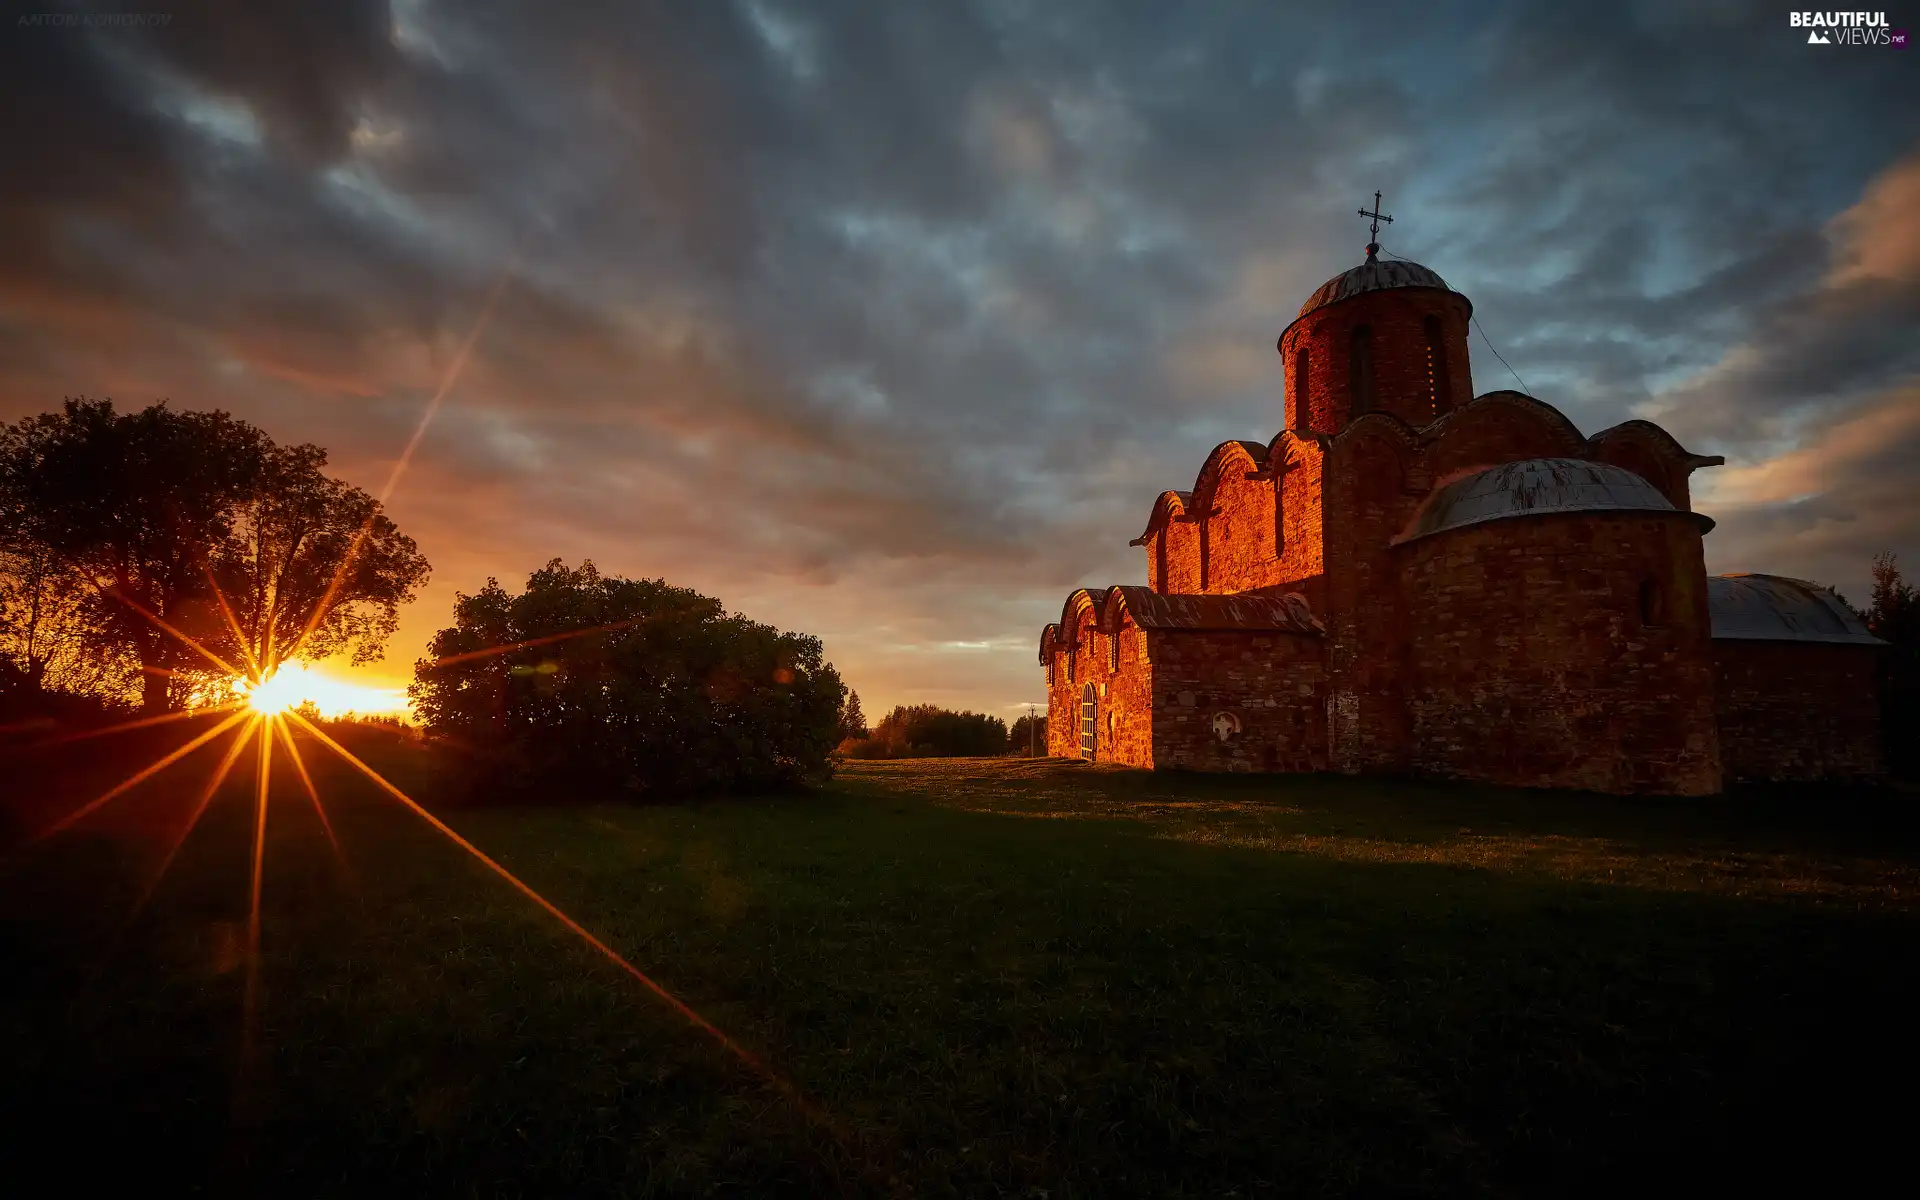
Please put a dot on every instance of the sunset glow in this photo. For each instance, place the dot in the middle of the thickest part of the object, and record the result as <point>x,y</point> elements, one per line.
<point>296,683</point>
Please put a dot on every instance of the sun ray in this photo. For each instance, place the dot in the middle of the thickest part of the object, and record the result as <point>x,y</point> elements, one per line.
<point>137,723</point>
<point>245,1113</point>
<point>454,370</point>
<point>250,1015</point>
<point>200,804</point>
<point>469,655</point>
<point>699,1022</point>
<point>300,767</point>
<point>233,623</point>
<point>191,644</point>
<point>137,778</point>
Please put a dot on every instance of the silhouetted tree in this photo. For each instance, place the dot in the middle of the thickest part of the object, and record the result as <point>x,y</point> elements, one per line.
<point>929,731</point>
<point>136,515</point>
<point>853,722</point>
<point>667,693</point>
<point>1028,736</point>
<point>1894,617</point>
<point>49,634</point>
<point>314,563</point>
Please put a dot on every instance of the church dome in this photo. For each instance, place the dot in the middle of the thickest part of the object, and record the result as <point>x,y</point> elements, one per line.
<point>1374,275</point>
<point>1537,486</point>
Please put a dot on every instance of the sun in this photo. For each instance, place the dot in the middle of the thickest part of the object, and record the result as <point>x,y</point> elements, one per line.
<point>275,694</point>
<point>294,684</point>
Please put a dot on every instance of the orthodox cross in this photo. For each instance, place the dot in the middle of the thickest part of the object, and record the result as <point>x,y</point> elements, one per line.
<point>1373,230</point>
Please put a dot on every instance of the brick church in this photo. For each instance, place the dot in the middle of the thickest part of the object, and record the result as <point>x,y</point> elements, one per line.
<point>1412,579</point>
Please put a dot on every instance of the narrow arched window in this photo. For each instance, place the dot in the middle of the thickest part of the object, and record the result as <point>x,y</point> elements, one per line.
<point>1205,548</point>
<point>1302,409</point>
<point>1653,604</point>
<point>1360,370</point>
<point>1052,660</point>
<point>1279,516</point>
<point>1113,651</point>
<point>1160,562</point>
<point>1437,378</point>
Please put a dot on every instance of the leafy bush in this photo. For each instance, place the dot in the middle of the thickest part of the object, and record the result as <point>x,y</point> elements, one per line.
<point>633,685</point>
<point>863,748</point>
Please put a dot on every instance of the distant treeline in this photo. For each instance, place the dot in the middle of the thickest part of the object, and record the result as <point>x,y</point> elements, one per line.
<point>929,731</point>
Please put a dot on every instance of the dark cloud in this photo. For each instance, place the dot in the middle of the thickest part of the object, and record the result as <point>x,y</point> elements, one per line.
<point>889,321</point>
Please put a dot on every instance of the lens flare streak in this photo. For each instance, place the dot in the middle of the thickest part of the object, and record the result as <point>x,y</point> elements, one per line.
<point>313,793</point>
<point>454,370</point>
<point>200,804</point>
<point>672,1001</point>
<point>138,777</point>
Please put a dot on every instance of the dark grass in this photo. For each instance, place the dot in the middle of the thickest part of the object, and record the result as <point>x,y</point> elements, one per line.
<point>986,978</point>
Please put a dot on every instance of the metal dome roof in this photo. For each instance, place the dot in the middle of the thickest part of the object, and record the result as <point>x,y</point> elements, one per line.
<point>1774,608</point>
<point>1374,275</point>
<point>1536,486</point>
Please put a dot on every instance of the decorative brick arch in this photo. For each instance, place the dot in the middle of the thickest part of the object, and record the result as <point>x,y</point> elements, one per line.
<point>1499,427</point>
<point>1230,463</point>
<point>1080,601</point>
<point>1168,507</point>
<point>1253,454</point>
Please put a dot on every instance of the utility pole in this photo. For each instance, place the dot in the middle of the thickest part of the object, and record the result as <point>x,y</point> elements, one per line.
<point>1030,732</point>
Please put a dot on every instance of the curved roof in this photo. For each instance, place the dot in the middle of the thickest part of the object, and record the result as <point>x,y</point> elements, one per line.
<point>1049,636</point>
<point>1069,612</point>
<point>1149,609</point>
<point>1774,608</point>
<point>1535,486</point>
<point>1374,275</point>
<point>1162,509</point>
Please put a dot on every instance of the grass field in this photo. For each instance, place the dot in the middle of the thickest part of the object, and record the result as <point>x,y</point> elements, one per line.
<point>980,978</point>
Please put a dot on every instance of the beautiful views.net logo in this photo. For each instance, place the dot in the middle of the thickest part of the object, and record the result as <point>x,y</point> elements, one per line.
<point>1847,29</point>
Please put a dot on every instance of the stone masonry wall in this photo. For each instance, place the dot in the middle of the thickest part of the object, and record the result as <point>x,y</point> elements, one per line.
<point>1272,683</point>
<point>1183,556</point>
<point>1249,547</point>
<point>1797,711</point>
<point>1370,498</point>
<point>1123,718</point>
<point>1240,530</point>
<point>1072,669</point>
<point>1531,663</point>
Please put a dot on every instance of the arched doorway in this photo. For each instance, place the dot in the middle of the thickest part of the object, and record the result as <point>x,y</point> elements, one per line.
<point>1089,721</point>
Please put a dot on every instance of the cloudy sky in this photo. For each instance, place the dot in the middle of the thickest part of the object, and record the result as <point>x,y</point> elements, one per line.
<point>887,321</point>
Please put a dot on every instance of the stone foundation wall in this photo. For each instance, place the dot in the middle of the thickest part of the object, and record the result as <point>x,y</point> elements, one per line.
<point>1797,711</point>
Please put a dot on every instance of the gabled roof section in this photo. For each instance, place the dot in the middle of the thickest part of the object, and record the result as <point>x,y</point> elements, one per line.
<point>1288,613</point>
<point>1775,608</point>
